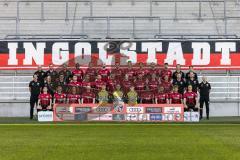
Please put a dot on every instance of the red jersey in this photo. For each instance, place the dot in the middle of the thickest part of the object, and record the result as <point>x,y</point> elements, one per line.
<point>111,84</point>
<point>152,71</point>
<point>88,97</point>
<point>141,71</point>
<point>85,84</point>
<point>161,98</point>
<point>139,86</point>
<point>105,73</point>
<point>126,84</point>
<point>130,72</point>
<point>45,99</point>
<point>165,72</point>
<point>98,84</point>
<point>167,86</point>
<point>190,98</point>
<point>176,98</point>
<point>153,85</point>
<point>75,84</point>
<point>60,98</point>
<point>118,73</point>
<point>73,98</point>
<point>147,97</point>
<point>91,72</point>
<point>79,74</point>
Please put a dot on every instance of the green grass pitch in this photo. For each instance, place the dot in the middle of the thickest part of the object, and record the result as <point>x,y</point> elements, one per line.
<point>104,141</point>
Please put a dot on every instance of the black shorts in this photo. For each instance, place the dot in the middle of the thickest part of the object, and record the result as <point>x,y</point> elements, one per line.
<point>191,107</point>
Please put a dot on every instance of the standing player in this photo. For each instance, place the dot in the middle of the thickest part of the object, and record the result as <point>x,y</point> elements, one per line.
<point>167,84</point>
<point>104,72</point>
<point>40,74</point>
<point>91,72</point>
<point>152,70</point>
<point>204,90</point>
<point>130,72</point>
<point>140,84</point>
<point>66,73</point>
<point>153,83</point>
<point>78,72</point>
<point>132,96</point>
<point>74,83</point>
<point>193,82</point>
<point>103,96</point>
<point>88,96</point>
<point>189,72</point>
<point>141,70</point>
<point>180,83</point>
<point>52,73</point>
<point>50,85</point>
<point>34,89</point>
<point>175,97</point>
<point>44,100</point>
<point>178,71</point>
<point>61,82</point>
<point>190,99</point>
<point>161,97</point>
<point>166,72</point>
<point>117,71</point>
<point>73,97</point>
<point>59,96</point>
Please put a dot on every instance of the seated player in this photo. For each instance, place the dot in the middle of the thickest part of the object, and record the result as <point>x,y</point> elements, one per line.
<point>103,96</point>
<point>167,84</point>
<point>86,82</point>
<point>178,71</point>
<point>104,72</point>
<point>88,96</point>
<point>193,82</point>
<point>111,83</point>
<point>153,83</point>
<point>165,72</point>
<point>132,96</point>
<point>91,72</point>
<point>161,97</point>
<point>59,96</point>
<point>126,84</point>
<point>73,97</point>
<point>44,100</point>
<point>190,100</point>
<point>175,97</point>
<point>179,82</point>
<point>78,72</point>
<point>118,95</point>
<point>98,84</point>
<point>146,97</point>
<point>74,83</point>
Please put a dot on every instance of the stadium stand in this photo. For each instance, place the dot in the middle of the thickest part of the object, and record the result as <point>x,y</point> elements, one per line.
<point>120,19</point>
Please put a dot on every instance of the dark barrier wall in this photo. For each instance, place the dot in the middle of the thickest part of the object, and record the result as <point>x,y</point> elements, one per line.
<point>203,54</point>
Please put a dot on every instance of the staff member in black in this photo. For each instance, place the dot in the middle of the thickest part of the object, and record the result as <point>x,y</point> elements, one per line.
<point>204,90</point>
<point>35,89</point>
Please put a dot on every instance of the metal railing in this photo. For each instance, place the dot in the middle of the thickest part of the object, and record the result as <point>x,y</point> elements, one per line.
<point>109,20</point>
<point>224,88</point>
